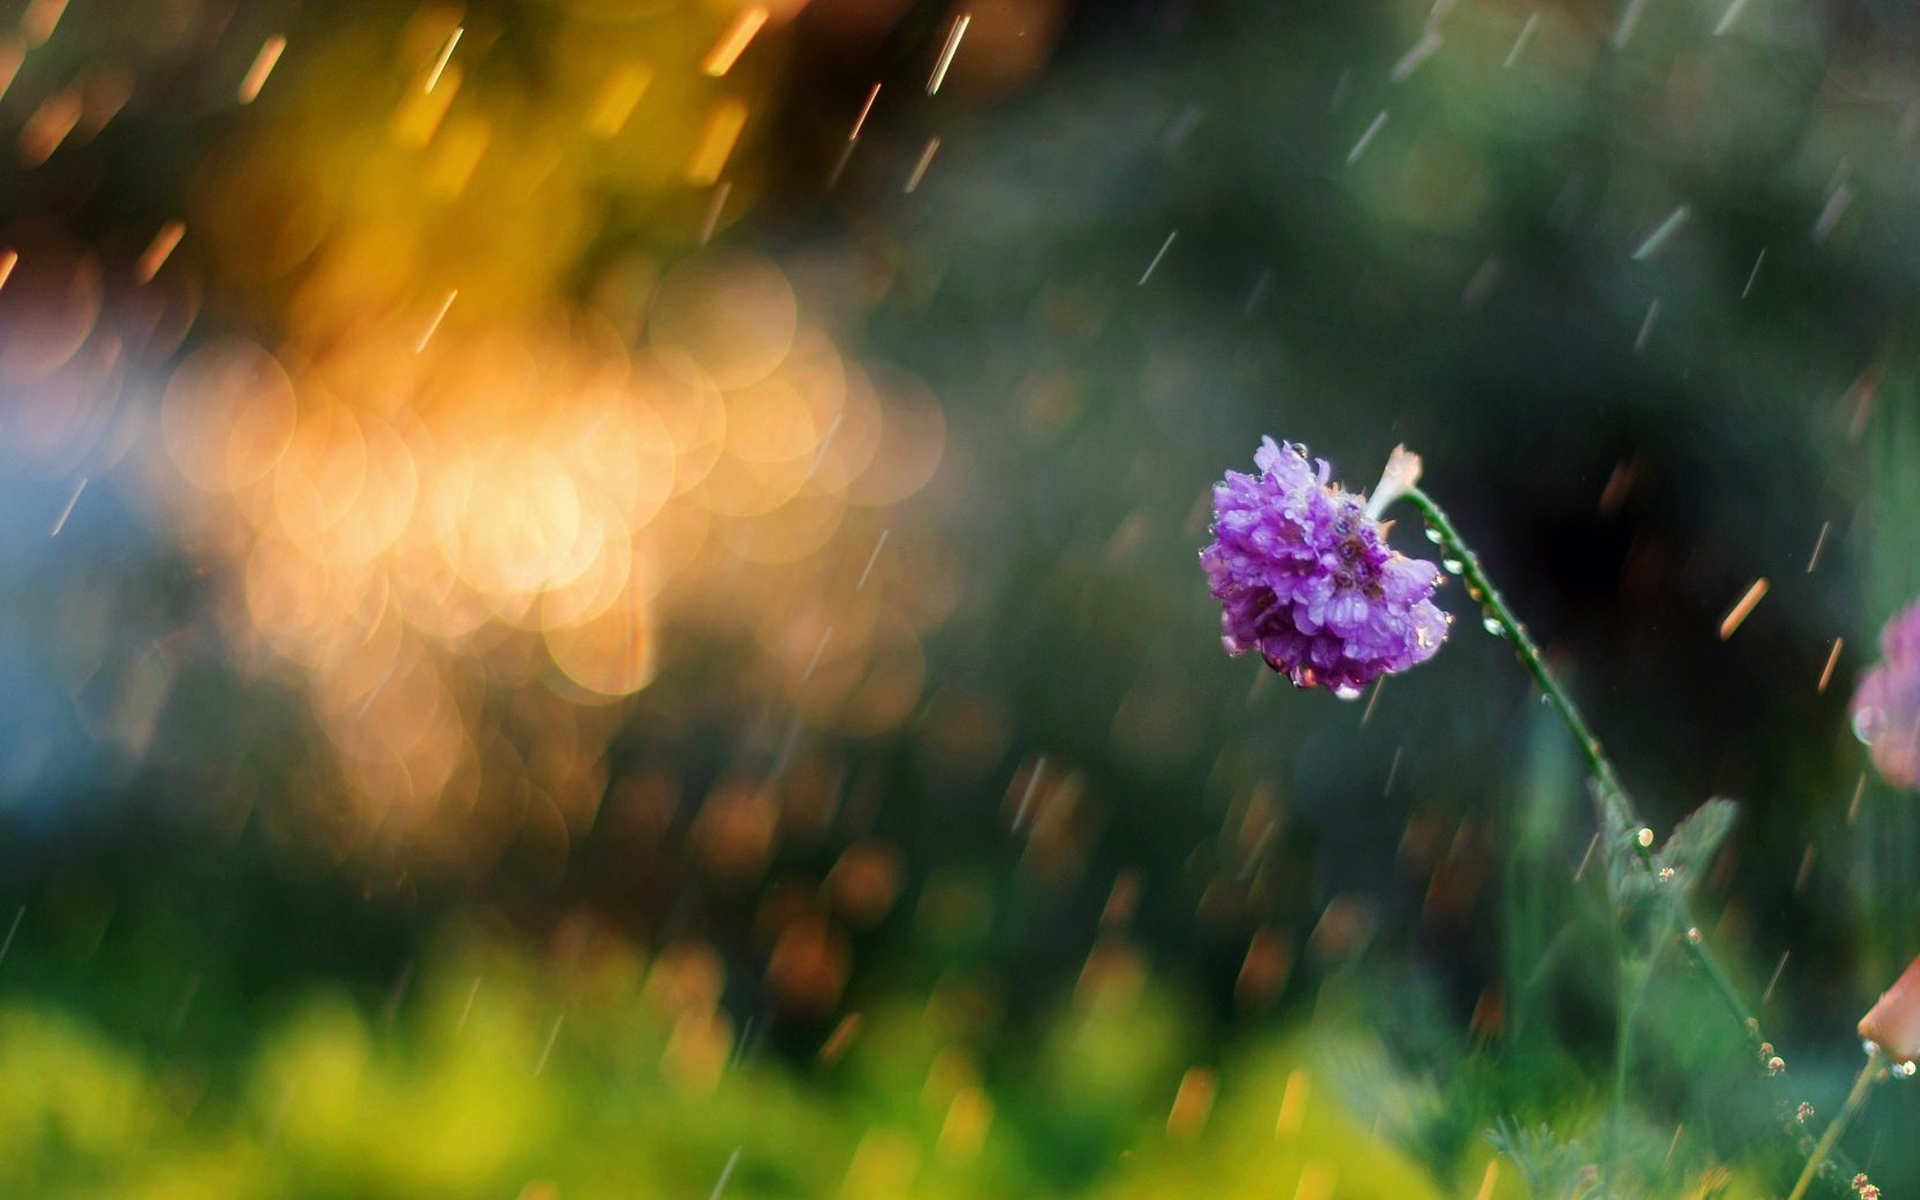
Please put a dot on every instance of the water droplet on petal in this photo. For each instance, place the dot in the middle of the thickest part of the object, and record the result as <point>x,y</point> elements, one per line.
<point>1347,691</point>
<point>1869,723</point>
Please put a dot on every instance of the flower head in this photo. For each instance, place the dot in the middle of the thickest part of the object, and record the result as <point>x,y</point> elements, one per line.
<point>1886,706</point>
<point>1304,577</point>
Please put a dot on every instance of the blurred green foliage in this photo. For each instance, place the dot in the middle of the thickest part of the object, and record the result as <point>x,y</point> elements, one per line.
<point>492,1076</point>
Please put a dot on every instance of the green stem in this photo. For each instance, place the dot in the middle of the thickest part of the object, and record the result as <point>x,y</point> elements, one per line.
<point>1855,1099</point>
<point>1481,590</point>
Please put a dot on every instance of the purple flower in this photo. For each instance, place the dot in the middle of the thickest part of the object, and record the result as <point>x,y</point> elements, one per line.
<point>1304,577</point>
<point>1886,706</point>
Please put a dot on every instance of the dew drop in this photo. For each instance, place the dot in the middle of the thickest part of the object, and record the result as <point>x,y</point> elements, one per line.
<point>1693,936</point>
<point>1453,565</point>
<point>1347,691</point>
<point>1433,535</point>
<point>1868,724</point>
<point>1903,1070</point>
<point>1644,837</point>
<point>1492,625</point>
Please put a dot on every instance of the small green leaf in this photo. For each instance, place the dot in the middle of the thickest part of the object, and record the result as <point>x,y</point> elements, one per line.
<point>1691,847</point>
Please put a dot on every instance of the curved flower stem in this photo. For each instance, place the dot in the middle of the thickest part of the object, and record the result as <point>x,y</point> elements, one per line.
<point>1481,590</point>
<point>1855,1099</point>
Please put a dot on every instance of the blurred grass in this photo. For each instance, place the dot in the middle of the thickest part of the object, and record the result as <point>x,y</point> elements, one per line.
<point>493,1076</point>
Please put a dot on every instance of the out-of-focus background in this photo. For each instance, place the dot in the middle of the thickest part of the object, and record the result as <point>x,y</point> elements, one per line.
<point>598,597</point>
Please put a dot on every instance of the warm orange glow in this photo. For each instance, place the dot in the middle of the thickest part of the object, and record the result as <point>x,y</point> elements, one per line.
<point>470,517</point>
<point>402,508</point>
<point>228,416</point>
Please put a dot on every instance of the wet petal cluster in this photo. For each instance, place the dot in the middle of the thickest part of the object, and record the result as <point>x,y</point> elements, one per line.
<point>1886,706</point>
<point>1305,579</point>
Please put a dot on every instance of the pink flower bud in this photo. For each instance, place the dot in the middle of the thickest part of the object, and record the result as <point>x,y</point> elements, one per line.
<point>1894,1023</point>
<point>1401,476</point>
